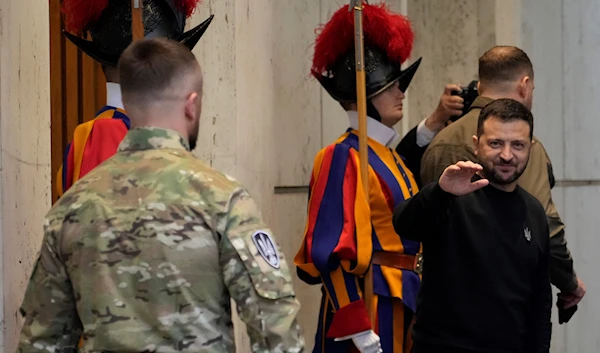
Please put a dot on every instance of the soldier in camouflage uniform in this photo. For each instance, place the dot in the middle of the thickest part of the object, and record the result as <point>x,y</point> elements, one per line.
<point>145,252</point>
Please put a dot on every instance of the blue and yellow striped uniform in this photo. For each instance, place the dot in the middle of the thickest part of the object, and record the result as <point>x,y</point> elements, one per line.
<point>342,232</point>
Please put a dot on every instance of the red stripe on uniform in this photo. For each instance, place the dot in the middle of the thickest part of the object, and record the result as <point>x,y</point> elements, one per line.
<point>346,248</point>
<point>102,143</point>
<point>389,199</point>
<point>315,201</point>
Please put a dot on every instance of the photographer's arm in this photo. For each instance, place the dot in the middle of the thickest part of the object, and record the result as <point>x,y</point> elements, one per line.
<point>415,142</point>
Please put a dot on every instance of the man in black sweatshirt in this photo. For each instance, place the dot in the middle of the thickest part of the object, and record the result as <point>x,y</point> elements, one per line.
<point>486,286</point>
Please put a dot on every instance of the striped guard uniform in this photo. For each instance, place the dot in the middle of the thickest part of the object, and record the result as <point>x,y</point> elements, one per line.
<point>343,231</point>
<point>94,141</point>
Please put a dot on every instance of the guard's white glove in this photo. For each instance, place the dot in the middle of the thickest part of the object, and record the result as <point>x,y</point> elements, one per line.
<point>365,342</point>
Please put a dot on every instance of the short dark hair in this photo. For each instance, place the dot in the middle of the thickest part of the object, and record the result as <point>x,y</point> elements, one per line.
<point>506,110</point>
<point>150,66</point>
<point>503,64</point>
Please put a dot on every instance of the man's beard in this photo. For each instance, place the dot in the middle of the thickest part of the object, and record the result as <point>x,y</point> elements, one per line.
<point>495,177</point>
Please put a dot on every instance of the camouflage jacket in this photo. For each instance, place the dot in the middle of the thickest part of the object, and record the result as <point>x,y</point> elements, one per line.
<point>144,254</point>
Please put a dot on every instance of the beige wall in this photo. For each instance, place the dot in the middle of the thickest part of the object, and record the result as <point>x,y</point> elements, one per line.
<point>450,36</point>
<point>25,145</point>
<point>561,37</point>
<point>261,113</point>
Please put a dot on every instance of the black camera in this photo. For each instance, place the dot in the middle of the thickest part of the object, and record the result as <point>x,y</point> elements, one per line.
<point>468,93</point>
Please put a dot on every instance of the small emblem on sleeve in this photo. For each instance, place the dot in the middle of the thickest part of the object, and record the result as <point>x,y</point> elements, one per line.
<point>266,248</point>
<point>527,234</point>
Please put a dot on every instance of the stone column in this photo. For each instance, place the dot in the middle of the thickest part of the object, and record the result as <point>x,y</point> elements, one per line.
<point>261,119</point>
<point>25,145</point>
<point>561,38</point>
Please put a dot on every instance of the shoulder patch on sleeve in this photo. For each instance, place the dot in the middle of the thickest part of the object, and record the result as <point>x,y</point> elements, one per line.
<point>265,264</point>
<point>257,248</point>
<point>266,248</point>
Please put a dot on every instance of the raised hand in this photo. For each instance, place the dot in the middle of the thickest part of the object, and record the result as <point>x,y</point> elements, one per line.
<point>456,179</point>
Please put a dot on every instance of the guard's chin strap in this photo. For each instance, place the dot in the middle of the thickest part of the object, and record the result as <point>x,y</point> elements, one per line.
<point>372,112</point>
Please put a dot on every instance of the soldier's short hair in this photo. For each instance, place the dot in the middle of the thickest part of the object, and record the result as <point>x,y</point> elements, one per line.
<point>504,64</point>
<point>505,110</point>
<point>150,69</point>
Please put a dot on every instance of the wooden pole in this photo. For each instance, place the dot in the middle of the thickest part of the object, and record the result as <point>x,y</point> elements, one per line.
<point>137,23</point>
<point>361,101</point>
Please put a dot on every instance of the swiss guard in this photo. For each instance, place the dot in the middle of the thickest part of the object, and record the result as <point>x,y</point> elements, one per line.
<point>109,24</point>
<point>348,231</point>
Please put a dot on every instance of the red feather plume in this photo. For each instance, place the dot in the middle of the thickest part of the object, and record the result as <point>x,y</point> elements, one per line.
<point>78,13</point>
<point>187,6</point>
<point>382,28</point>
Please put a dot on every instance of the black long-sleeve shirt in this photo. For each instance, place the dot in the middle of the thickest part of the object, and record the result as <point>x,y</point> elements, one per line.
<point>455,143</point>
<point>486,285</point>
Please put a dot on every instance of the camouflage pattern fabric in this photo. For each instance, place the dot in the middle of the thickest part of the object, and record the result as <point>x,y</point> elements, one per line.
<point>144,253</point>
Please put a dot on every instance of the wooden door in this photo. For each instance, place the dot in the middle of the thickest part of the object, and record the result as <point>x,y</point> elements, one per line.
<point>77,89</point>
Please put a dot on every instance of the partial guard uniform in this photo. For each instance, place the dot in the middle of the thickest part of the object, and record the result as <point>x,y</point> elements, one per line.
<point>145,253</point>
<point>109,25</point>
<point>94,141</point>
<point>346,232</point>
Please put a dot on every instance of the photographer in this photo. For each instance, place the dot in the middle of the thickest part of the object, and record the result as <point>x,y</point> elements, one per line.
<point>414,144</point>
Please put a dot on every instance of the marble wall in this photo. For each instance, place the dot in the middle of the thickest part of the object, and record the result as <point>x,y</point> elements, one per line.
<point>562,39</point>
<point>448,36</point>
<point>25,149</point>
<point>262,113</point>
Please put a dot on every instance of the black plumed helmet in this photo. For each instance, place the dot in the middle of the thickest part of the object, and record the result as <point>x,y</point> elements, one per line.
<point>388,42</point>
<point>108,23</point>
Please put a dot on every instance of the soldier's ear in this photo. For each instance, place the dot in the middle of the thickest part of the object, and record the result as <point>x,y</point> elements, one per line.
<point>192,106</point>
<point>475,143</point>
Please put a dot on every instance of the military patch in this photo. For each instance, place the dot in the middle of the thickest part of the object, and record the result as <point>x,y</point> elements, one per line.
<point>266,248</point>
